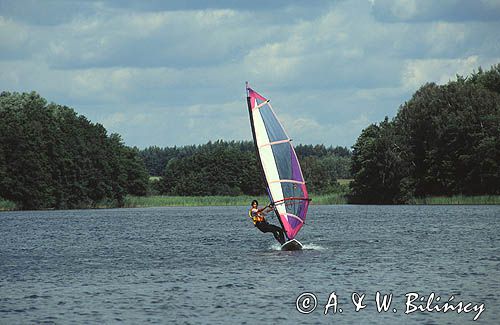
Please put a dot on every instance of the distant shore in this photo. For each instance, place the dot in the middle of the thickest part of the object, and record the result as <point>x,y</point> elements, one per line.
<point>456,200</point>
<point>155,201</point>
<point>243,200</point>
<point>325,199</point>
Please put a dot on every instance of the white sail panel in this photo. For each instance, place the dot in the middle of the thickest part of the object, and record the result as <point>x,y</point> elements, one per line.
<point>267,157</point>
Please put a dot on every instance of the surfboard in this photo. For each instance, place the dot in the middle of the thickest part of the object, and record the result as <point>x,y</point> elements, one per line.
<point>292,245</point>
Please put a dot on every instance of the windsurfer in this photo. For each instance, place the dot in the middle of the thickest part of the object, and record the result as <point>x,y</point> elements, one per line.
<point>259,220</point>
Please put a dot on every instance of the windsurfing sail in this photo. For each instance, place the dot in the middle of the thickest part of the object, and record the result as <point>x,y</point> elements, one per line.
<point>285,182</point>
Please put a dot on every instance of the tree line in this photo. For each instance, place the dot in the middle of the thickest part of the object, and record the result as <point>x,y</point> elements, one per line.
<point>232,168</point>
<point>51,157</point>
<point>444,141</point>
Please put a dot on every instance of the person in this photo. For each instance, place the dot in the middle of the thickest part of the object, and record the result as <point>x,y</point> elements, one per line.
<point>259,220</point>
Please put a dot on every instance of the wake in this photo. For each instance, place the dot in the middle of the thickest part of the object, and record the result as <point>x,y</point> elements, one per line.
<point>311,246</point>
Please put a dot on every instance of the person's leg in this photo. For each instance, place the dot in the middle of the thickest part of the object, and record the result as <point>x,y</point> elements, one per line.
<point>262,226</point>
<point>277,231</point>
<point>282,236</point>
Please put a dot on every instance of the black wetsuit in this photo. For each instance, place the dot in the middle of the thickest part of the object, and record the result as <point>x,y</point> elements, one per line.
<point>265,226</point>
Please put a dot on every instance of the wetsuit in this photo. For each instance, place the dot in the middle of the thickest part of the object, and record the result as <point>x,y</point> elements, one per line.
<point>264,226</point>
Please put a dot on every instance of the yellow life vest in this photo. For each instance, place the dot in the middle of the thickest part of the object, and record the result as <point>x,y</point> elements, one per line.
<point>255,218</point>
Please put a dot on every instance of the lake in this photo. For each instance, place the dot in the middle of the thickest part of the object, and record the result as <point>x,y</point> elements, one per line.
<point>202,265</point>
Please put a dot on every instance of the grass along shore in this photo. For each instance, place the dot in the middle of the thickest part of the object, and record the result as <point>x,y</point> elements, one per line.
<point>188,201</point>
<point>244,200</point>
<point>158,201</point>
<point>191,201</point>
<point>324,199</point>
<point>457,200</point>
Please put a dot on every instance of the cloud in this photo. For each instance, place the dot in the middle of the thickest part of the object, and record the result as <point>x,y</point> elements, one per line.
<point>440,71</point>
<point>180,125</point>
<point>305,129</point>
<point>173,72</point>
<point>14,39</point>
<point>47,13</point>
<point>430,10</point>
<point>255,5</point>
<point>113,36</point>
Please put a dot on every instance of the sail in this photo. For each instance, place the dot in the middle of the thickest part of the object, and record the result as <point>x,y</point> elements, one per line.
<point>286,185</point>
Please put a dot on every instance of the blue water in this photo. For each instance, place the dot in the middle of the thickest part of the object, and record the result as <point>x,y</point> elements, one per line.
<point>210,265</point>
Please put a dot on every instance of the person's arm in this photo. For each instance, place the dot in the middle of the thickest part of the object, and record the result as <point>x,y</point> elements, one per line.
<point>269,208</point>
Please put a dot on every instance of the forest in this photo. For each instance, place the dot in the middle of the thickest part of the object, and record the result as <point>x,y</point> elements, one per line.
<point>232,168</point>
<point>444,141</point>
<point>51,157</point>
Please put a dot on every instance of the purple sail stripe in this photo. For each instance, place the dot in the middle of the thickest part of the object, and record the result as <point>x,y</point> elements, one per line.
<point>296,173</point>
<point>293,226</point>
<point>294,223</point>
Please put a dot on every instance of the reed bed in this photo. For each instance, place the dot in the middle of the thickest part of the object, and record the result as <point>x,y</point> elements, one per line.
<point>327,199</point>
<point>458,199</point>
<point>159,201</point>
<point>244,200</point>
<point>324,199</point>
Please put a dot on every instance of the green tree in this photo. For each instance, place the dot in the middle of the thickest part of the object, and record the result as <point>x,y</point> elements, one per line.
<point>379,167</point>
<point>445,140</point>
<point>50,157</point>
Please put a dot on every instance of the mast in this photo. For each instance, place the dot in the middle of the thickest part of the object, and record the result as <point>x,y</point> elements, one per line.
<point>249,104</point>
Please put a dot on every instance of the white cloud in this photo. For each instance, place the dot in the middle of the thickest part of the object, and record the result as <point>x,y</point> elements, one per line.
<point>404,9</point>
<point>444,36</point>
<point>306,130</point>
<point>166,77</point>
<point>440,71</point>
<point>114,120</point>
<point>430,10</point>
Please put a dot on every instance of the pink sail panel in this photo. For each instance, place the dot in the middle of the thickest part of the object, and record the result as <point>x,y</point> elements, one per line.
<point>254,96</point>
<point>280,165</point>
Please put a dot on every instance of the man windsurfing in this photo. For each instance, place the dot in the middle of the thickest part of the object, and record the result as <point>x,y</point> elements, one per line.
<point>258,217</point>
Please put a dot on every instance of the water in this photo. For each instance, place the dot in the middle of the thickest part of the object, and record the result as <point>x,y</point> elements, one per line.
<point>210,265</point>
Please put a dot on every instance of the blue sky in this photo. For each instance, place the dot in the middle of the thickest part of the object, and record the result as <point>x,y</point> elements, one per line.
<point>172,72</point>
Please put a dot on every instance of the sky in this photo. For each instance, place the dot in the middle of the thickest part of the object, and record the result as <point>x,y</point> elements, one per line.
<point>165,73</point>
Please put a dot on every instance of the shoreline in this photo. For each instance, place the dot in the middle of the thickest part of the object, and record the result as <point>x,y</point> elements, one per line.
<point>244,200</point>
